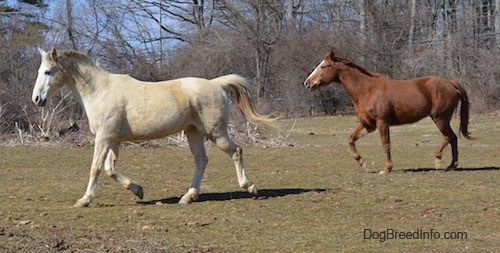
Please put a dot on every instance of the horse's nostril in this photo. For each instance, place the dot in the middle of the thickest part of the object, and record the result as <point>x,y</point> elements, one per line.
<point>38,101</point>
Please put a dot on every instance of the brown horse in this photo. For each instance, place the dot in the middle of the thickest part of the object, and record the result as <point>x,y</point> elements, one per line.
<point>380,102</point>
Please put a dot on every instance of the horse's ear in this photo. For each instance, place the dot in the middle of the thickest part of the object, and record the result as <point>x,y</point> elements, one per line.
<point>53,54</point>
<point>331,55</point>
<point>41,51</point>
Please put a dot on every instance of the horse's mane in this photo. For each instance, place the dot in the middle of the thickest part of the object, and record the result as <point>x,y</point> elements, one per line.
<point>75,60</point>
<point>361,69</point>
<point>74,54</point>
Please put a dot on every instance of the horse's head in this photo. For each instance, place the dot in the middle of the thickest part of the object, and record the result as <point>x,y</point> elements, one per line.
<point>325,73</point>
<point>50,78</point>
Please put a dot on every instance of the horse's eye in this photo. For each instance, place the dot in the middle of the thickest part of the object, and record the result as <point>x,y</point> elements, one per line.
<point>48,73</point>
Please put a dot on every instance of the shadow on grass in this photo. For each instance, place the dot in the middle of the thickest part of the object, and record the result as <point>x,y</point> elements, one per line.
<point>443,170</point>
<point>226,196</point>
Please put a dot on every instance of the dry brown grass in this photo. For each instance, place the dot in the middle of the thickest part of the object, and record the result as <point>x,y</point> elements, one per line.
<point>313,196</point>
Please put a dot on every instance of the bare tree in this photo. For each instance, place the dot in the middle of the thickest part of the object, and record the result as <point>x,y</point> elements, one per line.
<point>497,24</point>
<point>275,43</point>
<point>21,28</point>
<point>185,21</point>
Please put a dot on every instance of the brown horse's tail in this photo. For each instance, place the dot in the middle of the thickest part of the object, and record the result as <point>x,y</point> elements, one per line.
<point>464,111</point>
<point>245,102</point>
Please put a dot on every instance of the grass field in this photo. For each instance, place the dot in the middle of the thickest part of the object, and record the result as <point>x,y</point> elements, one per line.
<point>313,196</point>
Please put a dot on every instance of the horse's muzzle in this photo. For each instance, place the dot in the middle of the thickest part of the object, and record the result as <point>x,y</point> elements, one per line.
<point>39,102</point>
<point>308,86</point>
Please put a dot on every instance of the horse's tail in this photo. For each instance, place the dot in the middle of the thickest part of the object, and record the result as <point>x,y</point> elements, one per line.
<point>244,98</point>
<point>464,111</point>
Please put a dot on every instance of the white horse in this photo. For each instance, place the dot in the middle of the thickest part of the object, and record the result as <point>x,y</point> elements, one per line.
<point>120,108</point>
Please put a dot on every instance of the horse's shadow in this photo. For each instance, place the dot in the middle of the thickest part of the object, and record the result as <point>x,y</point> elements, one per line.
<point>443,170</point>
<point>234,195</point>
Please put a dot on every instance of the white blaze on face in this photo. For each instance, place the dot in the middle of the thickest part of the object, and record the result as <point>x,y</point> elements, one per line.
<point>308,82</point>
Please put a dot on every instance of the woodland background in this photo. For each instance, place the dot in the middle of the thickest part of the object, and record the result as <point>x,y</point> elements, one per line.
<point>274,43</point>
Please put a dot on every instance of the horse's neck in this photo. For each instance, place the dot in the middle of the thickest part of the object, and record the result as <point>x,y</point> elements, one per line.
<point>89,81</point>
<point>355,83</point>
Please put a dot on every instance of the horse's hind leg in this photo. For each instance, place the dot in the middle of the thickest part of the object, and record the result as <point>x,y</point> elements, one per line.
<point>235,152</point>
<point>449,137</point>
<point>358,133</point>
<point>109,167</point>
<point>195,139</point>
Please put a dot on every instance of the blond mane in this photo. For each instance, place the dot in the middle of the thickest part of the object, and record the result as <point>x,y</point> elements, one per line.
<point>74,54</point>
<point>75,61</point>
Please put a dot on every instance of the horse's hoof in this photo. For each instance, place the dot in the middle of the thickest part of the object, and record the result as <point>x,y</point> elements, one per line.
<point>450,168</point>
<point>363,165</point>
<point>382,172</point>
<point>186,199</point>
<point>437,163</point>
<point>81,203</point>
<point>137,190</point>
<point>189,197</point>
<point>253,190</point>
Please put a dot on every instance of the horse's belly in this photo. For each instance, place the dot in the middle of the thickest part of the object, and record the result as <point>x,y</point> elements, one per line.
<point>409,115</point>
<point>152,128</point>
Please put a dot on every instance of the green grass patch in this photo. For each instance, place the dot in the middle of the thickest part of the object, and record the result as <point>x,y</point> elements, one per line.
<point>314,198</point>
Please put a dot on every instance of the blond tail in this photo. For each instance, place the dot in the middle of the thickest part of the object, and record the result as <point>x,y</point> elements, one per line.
<point>245,102</point>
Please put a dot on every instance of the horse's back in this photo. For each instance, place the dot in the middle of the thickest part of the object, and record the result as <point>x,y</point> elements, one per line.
<point>407,101</point>
<point>426,86</point>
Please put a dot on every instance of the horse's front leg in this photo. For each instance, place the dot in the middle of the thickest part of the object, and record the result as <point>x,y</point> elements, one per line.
<point>100,150</point>
<point>383,129</point>
<point>197,147</point>
<point>110,168</point>
<point>358,133</point>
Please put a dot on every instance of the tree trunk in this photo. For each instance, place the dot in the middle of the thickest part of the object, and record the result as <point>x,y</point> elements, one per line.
<point>497,24</point>
<point>412,25</point>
